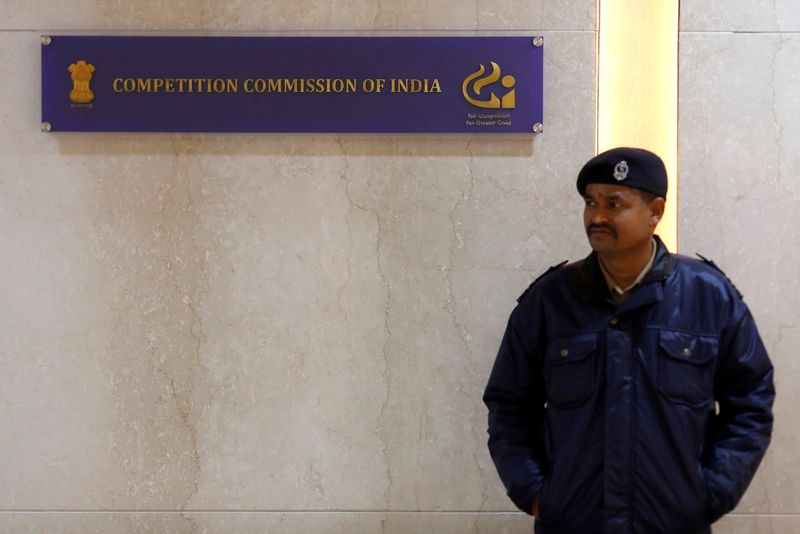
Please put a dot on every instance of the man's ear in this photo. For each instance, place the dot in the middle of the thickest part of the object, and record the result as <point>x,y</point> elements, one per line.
<point>656,207</point>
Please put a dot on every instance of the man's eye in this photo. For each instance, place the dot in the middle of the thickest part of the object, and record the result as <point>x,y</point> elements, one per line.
<point>613,205</point>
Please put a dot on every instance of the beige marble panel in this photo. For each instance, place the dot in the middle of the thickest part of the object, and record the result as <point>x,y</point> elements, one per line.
<point>329,523</point>
<point>295,328</point>
<point>271,322</point>
<point>740,15</point>
<point>758,524</point>
<point>496,228</point>
<point>189,523</point>
<point>739,193</point>
<point>258,523</point>
<point>459,523</point>
<point>304,15</point>
<point>54,394</point>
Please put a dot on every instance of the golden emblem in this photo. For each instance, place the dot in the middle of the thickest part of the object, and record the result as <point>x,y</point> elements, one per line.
<point>507,102</point>
<point>81,73</point>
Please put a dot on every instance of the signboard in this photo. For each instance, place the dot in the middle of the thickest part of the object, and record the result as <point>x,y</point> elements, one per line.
<point>292,84</point>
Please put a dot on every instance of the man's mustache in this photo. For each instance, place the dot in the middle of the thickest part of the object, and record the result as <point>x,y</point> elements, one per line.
<point>603,227</point>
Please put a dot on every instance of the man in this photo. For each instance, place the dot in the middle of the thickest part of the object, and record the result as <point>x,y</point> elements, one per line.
<point>602,414</point>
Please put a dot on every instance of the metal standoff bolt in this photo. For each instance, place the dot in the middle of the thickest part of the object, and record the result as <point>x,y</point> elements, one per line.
<point>564,353</point>
<point>687,352</point>
<point>614,321</point>
<point>538,127</point>
<point>46,126</point>
<point>538,41</point>
<point>46,40</point>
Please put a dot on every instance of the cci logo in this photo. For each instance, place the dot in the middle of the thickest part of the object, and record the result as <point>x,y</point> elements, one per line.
<point>476,83</point>
<point>81,73</point>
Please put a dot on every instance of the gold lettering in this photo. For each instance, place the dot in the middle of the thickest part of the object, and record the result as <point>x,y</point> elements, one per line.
<point>415,85</point>
<point>267,85</point>
<point>290,86</point>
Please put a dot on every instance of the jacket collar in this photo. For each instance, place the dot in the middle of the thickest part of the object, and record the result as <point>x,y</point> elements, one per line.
<point>587,280</point>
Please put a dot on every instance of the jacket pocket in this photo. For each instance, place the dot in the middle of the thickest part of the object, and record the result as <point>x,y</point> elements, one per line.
<point>571,370</point>
<point>686,367</point>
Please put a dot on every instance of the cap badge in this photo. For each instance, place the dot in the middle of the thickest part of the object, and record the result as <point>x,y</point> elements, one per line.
<point>621,170</point>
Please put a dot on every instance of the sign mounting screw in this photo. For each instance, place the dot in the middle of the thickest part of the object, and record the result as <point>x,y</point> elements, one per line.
<point>538,127</point>
<point>46,126</point>
<point>46,40</point>
<point>538,41</point>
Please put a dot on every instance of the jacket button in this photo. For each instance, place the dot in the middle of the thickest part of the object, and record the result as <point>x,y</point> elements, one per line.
<point>614,321</point>
<point>687,352</point>
<point>564,353</point>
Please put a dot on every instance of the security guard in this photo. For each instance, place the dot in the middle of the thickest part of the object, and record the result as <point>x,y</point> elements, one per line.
<point>632,392</point>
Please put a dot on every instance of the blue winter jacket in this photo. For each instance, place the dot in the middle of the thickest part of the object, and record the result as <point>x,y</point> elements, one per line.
<point>609,412</point>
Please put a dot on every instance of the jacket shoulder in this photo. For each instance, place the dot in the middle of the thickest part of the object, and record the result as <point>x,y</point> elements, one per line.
<point>541,277</point>
<point>702,264</point>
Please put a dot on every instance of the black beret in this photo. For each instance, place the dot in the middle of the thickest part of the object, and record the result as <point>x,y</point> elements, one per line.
<point>631,167</point>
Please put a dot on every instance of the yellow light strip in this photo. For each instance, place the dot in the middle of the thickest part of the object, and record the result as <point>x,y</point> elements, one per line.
<point>638,87</point>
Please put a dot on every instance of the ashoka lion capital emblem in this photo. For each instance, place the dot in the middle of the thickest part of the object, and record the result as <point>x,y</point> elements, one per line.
<point>81,73</point>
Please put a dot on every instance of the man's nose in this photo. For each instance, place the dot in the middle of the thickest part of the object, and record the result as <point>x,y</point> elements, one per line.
<point>598,215</point>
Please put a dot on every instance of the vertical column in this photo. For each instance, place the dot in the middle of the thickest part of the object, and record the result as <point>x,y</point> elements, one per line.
<point>638,86</point>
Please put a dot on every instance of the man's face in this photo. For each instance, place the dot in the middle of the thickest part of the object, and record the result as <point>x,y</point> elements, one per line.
<point>618,220</point>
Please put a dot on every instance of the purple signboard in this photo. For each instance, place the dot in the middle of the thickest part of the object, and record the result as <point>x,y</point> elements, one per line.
<point>292,84</point>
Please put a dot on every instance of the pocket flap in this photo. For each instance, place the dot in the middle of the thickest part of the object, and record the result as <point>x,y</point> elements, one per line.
<point>570,350</point>
<point>687,348</point>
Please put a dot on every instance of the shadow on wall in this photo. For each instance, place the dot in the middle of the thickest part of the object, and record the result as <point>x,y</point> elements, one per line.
<point>426,145</point>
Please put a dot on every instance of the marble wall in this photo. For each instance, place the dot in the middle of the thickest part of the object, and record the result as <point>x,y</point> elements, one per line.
<point>282,333</point>
<point>739,190</point>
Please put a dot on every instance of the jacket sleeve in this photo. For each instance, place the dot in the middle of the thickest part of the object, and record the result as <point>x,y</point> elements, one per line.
<point>740,432</point>
<point>515,398</point>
